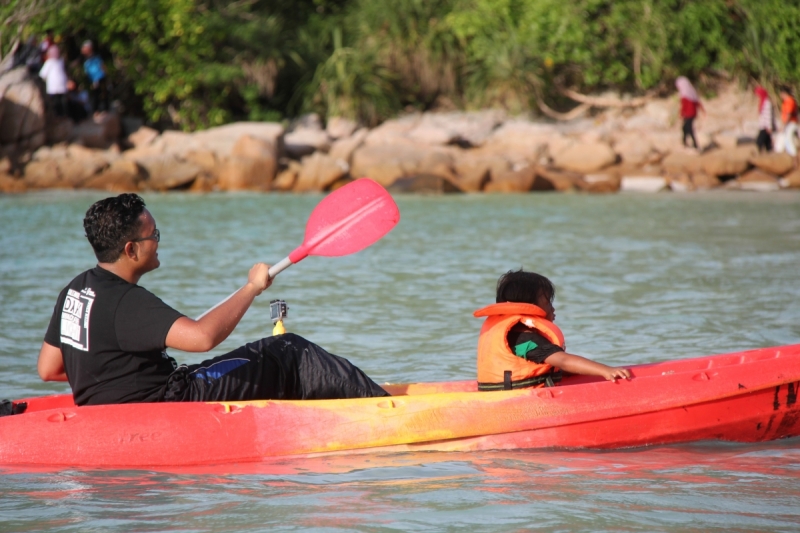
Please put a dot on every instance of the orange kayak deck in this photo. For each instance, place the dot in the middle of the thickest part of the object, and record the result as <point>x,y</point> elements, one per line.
<point>746,396</point>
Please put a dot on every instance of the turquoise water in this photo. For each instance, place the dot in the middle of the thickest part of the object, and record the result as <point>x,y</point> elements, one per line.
<point>639,278</point>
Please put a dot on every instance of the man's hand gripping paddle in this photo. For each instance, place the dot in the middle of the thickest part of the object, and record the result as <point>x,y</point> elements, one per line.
<point>344,222</point>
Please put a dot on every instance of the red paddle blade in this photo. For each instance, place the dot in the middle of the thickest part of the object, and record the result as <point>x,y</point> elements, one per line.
<point>348,220</point>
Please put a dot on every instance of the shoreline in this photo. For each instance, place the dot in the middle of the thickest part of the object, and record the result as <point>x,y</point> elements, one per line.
<point>616,149</point>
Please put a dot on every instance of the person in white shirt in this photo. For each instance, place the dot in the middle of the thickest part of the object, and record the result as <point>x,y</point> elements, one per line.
<point>54,75</point>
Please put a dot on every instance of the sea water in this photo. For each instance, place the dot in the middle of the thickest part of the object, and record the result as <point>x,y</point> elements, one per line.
<point>639,278</point>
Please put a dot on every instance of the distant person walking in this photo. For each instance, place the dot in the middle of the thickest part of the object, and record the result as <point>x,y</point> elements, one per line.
<point>96,73</point>
<point>54,75</point>
<point>789,119</point>
<point>766,120</point>
<point>690,105</point>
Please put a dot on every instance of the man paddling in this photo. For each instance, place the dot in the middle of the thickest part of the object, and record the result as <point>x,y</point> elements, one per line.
<point>108,336</point>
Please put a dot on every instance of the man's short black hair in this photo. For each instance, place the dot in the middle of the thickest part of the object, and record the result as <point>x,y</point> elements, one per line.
<point>111,223</point>
<point>524,287</point>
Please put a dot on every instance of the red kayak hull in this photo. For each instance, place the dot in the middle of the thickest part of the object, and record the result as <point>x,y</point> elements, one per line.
<point>745,397</point>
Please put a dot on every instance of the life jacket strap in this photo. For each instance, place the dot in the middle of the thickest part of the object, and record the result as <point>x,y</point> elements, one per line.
<point>549,380</point>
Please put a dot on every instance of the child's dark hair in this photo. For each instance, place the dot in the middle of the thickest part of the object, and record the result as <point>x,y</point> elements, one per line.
<point>524,287</point>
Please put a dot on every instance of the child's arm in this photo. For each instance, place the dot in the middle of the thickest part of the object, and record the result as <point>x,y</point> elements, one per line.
<point>575,364</point>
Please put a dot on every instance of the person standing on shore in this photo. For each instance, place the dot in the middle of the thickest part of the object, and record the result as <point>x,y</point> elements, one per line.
<point>690,105</point>
<point>96,72</point>
<point>55,77</point>
<point>766,120</point>
<point>789,119</point>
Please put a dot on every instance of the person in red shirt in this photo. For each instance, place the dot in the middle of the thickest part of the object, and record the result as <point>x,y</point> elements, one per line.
<point>690,105</point>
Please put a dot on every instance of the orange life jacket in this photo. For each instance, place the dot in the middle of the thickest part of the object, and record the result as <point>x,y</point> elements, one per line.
<point>499,368</point>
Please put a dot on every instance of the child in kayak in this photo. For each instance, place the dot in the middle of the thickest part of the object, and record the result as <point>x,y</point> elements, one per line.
<point>519,346</point>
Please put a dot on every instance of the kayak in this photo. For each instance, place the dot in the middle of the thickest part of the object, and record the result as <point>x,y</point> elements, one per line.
<point>747,396</point>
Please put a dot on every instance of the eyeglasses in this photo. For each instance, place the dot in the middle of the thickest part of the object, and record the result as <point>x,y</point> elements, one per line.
<point>156,236</point>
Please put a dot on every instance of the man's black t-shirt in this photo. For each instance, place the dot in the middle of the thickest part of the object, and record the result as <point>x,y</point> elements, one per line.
<point>530,344</point>
<point>112,335</point>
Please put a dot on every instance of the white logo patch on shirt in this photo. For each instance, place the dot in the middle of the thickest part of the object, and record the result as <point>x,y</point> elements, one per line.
<point>75,318</point>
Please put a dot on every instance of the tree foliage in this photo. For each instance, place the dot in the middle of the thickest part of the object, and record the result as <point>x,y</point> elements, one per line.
<point>198,63</point>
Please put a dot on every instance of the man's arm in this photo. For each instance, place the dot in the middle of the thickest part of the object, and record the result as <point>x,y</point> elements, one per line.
<point>216,324</point>
<point>575,364</point>
<point>51,363</point>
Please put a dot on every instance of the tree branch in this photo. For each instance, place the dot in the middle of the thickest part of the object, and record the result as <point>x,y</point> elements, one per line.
<point>569,115</point>
<point>599,101</point>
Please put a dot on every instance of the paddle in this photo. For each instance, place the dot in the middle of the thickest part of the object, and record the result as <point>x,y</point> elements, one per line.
<point>346,221</point>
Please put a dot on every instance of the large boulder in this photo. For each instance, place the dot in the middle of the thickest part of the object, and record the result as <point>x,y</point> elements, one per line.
<point>778,164</point>
<point>791,180</point>
<point>468,129</point>
<point>42,174</point>
<point>702,181</point>
<point>22,112</point>
<point>393,131</point>
<point>220,141</point>
<point>166,172</point>
<point>255,147</point>
<point>437,163</point>
<point>99,131</point>
<point>634,148</point>
<point>655,115</point>
<point>340,128</point>
<point>474,169</point>
<point>679,162</point>
<point>343,148</point>
<point>755,180</point>
<point>75,171</point>
<point>122,175</point>
<point>143,136</point>
<point>585,157</point>
<point>728,161</point>
<point>287,177</point>
<point>205,159</point>
<point>516,179</point>
<point>560,180</point>
<point>665,142</point>
<point>680,182</point>
<point>65,166</point>
<point>304,141</point>
<point>383,163</point>
<point>600,183</point>
<point>309,121</point>
<point>424,184</point>
<point>520,141</point>
<point>318,172</point>
<point>429,133</point>
<point>10,185</point>
<point>59,130</point>
<point>237,173</point>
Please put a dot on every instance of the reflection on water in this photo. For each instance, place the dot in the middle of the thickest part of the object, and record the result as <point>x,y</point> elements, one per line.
<point>691,487</point>
<point>639,279</point>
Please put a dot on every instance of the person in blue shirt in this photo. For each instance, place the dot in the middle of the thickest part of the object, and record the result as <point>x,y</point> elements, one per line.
<point>96,73</point>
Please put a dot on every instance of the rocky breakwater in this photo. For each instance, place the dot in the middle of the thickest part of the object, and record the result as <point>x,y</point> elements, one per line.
<point>620,147</point>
